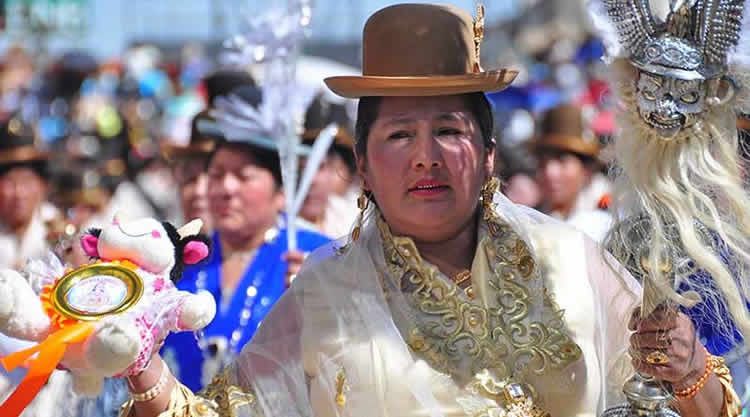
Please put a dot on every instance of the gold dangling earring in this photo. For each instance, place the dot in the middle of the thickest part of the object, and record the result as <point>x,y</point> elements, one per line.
<point>489,189</point>
<point>363,202</point>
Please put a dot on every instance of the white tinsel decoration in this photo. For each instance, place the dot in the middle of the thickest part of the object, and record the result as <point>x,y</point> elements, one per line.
<point>272,39</point>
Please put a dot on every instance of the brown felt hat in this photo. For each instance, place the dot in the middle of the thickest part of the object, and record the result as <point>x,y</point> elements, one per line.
<point>421,50</point>
<point>564,128</point>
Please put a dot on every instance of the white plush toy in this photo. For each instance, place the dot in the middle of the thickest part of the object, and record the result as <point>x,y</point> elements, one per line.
<point>109,317</point>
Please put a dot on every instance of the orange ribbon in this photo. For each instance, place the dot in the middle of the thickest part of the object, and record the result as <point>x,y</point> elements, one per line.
<point>51,352</point>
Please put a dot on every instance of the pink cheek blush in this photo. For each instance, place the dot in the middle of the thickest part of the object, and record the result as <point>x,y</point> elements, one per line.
<point>155,234</point>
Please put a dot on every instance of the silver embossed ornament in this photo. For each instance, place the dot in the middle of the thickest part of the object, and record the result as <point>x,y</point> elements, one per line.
<point>646,398</point>
<point>679,48</point>
<point>630,242</point>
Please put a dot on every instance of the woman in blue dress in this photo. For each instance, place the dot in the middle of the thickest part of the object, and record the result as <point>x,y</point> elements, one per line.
<point>247,270</point>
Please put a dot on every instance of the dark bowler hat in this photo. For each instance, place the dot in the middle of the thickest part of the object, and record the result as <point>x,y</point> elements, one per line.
<point>224,81</point>
<point>17,144</point>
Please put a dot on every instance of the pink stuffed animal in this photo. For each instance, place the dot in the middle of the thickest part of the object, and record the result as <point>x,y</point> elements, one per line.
<point>110,340</point>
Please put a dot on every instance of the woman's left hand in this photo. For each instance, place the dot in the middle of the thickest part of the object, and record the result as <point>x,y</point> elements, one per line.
<point>294,260</point>
<point>664,345</point>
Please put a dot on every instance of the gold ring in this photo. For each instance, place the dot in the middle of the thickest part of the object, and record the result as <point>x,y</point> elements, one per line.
<point>664,338</point>
<point>657,358</point>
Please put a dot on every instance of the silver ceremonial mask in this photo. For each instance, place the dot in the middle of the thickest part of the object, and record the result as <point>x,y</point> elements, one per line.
<point>668,104</point>
<point>680,50</point>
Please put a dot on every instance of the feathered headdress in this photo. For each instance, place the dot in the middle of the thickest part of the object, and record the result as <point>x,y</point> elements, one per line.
<point>680,70</point>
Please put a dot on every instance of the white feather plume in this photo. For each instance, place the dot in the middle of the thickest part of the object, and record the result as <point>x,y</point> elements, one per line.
<point>597,14</point>
<point>272,39</point>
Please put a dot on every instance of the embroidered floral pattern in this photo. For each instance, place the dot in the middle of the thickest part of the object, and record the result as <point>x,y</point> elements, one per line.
<point>514,336</point>
<point>228,397</point>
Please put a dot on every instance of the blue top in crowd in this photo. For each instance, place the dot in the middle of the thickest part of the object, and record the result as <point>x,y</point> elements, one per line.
<point>195,358</point>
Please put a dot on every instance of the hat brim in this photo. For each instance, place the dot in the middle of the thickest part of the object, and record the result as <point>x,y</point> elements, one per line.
<point>23,154</point>
<point>564,143</point>
<point>175,152</point>
<point>438,85</point>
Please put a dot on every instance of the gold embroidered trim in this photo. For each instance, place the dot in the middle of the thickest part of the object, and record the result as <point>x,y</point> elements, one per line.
<point>457,332</point>
<point>228,397</point>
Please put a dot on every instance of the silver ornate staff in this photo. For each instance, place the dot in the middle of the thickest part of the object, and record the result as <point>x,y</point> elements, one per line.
<point>646,398</point>
<point>630,242</point>
<point>674,63</point>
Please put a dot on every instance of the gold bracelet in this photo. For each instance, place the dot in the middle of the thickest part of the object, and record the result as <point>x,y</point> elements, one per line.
<point>154,391</point>
<point>732,405</point>
<point>712,362</point>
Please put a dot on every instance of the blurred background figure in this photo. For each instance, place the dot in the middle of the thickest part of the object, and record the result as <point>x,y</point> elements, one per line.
<point>24,213</point>
<point>24,209</point>
<point>83,196</point>
<point>189,164</point>
<point>569,172</point>
<point>246,272</point>
<point>522,189</point>
<point>516,167</point>
<point>15,80</point>
<point>189,161</point>
<point>331,205</point>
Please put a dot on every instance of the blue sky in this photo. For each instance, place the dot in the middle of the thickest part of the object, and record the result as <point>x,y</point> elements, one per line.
<point>111,24</point>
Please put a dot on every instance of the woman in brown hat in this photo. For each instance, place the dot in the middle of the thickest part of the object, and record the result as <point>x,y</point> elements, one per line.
<point>568,173</point>
<point>447,300</point>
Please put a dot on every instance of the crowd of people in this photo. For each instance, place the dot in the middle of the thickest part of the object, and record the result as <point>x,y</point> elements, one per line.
<point>82,140</point>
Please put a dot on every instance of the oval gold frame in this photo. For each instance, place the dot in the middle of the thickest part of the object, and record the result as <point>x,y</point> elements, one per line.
<point>133,282</point>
